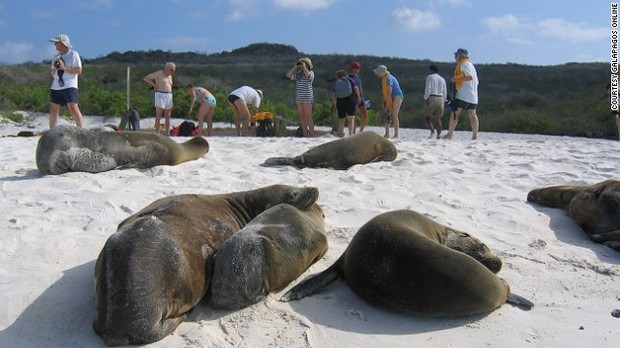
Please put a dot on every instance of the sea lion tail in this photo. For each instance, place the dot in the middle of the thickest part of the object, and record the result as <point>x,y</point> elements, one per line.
<point>313,283</point>
<point>278,161</point>
<point>519,302</point>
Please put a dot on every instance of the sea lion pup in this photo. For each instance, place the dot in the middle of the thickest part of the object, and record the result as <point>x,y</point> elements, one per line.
<point>266,255</point>
<point>408,263</point>
<point>596,208</point>
<point>156,267</point>
<point>361,148</point>
<point>68,148</point>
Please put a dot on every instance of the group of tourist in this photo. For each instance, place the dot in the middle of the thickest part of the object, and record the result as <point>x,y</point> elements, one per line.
<point>347,95</point>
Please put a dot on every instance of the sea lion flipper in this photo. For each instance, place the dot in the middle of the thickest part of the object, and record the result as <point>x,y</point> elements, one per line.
<point>278,161</point>
<point>313,283</point>
<point>519,302</point>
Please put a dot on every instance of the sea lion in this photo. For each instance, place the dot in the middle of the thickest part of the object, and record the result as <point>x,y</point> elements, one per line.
<point>156,267</point>
<point>68,148</point>
<point>361,148</point>
<point>408,263</point>
<point>266,255</point>
<point>596,208</point>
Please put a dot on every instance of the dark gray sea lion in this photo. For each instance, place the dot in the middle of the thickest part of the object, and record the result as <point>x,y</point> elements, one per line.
<point>596,208</point>
<point>71,149</point>
<point>362,148</point>
<point>267,254</point>
<point>158,264</point>
<point>408,263</point>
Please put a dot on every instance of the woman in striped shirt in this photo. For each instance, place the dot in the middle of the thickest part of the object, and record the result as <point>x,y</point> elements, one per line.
<point>303,76</point>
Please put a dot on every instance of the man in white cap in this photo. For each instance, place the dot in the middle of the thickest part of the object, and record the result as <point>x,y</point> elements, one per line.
<point>466,84</point>
<point>66,66</point>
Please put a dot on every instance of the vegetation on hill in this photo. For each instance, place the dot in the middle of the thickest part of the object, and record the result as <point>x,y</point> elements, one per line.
<point>568,99</point>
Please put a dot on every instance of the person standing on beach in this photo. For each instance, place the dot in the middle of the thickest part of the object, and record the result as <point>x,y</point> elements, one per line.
<point>207,106</point>
<point>303,76</point>
<point>238,100</point>
<point>161,81</point>
<point>435,93</point>
<point>66,66</point>
<point>344,96</point>
<point>360,99</point>
<point>466,84</point>
<point>392,99</point>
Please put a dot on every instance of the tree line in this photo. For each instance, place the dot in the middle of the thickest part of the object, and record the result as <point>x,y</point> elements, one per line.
<point>568,99</point>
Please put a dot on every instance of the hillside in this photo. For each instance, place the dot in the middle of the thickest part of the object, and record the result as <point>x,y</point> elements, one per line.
<point>566,99</point>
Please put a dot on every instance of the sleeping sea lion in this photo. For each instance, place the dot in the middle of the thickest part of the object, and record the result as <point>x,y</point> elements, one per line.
<point>68,148</point>
<point>361,148</point>
<point>408,263</point>
<point>596,208</point>
<point>157,265</point>
<point>266,255</point>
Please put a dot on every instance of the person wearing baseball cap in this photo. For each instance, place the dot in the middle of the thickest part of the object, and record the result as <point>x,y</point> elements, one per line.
<point>465,81</point>
<point>65,68</point>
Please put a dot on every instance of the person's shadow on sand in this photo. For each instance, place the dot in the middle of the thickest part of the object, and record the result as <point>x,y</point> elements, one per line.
<point>61,316</point>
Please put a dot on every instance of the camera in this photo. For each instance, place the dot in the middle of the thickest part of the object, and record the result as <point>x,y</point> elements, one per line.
<point>299,63</point>
<point>57,62</point>
<point>450,104</point>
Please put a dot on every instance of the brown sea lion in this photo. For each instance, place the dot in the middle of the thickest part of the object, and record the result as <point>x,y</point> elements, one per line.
<point>361,148</point>
<point>157,265</point>
<point>596,208</point>
<point>266,255</point>
<point>408,263</point>
<point>68,148</point>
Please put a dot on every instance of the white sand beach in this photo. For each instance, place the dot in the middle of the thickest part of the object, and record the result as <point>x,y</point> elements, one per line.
<point>53,228</point>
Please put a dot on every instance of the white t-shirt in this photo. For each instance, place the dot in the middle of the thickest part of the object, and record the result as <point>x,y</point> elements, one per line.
<point>72,60</point>
<point>469,90</point>
<point>248,95</point>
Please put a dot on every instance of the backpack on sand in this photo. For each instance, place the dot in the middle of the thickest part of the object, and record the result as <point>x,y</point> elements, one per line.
<point>343,87</point>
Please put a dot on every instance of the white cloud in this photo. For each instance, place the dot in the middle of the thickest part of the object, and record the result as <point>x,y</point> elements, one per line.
<point>241,9</point>
<point>506,24</point>
<point>521,30</point>
<point>303,5</point>
<point>15,52</point>
<point>415,20</point>
<point>574,32</point>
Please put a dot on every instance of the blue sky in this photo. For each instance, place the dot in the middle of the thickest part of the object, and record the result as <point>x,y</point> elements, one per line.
<point>534,32</point>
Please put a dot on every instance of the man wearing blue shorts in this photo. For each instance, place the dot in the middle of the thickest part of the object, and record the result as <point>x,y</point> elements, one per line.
<point>66,66</point>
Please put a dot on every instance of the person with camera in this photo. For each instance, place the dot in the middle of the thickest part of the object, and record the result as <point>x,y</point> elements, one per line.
<point>65,68</point>
<point>466,84</point>
<point>303,76</point>
<point>435,93</point>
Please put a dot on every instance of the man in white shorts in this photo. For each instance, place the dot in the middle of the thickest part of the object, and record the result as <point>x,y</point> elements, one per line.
<point>161,81</point>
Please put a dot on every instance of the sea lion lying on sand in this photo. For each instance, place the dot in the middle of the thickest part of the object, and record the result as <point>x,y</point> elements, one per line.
<point>596,208</point>
<point>266,255</point>
<point>71,149</point>
<point>361,148</point>
<point>158,264</point>
<point>408,263</point>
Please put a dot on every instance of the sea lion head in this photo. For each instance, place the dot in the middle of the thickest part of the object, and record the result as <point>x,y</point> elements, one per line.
<point>474,247</point>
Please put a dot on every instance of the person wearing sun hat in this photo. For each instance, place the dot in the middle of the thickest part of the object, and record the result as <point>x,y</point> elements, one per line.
<point>302,74</point>
<point>465,81</point>
<point>65,68</point>
<point>354,75</point>
<point>392,99</point>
